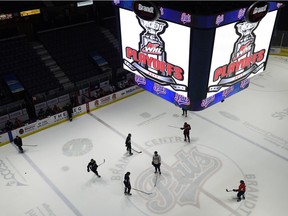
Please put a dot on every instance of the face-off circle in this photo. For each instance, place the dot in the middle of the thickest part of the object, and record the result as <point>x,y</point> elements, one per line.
<point>77,147</point>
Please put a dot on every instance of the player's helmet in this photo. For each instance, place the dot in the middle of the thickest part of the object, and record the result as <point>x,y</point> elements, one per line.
<point>241,181</point>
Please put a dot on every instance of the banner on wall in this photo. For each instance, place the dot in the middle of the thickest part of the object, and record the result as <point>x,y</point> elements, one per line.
<point>39,106</point>
<point>40,124</point>
<point>63,98</point>
<point>52,102</point>
<point>16,114</point>
<point>113,97</point>
<point>47,122</point>
<point>63,116</point>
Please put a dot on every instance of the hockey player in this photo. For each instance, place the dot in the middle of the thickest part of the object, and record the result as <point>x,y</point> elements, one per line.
<point>156,162</point>
<point>186,131</point>
<point>128,144</point>
<point>93,167</point>
<point>241,190</point>
<point>127,184</point>
<point>184,111</point>
<point>18,143</point>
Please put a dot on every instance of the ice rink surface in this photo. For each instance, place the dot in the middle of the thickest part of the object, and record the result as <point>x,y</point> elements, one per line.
<point>243,138</point>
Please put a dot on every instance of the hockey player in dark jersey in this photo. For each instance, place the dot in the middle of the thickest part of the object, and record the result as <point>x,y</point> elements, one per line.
<point>186,131</point>
<point>18,142</point>
<point>128,144</point>
<point>93,167</point>
<point>184,111</point>
<point>127,184</point>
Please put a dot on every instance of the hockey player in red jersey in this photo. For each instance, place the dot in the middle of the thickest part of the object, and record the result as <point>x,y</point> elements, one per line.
<point>241,190</point>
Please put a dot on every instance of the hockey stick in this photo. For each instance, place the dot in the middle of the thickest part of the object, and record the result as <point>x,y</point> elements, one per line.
<point>156,180</point>
<point>30,145</point>
<point>141,191</point>
<point>173,126</point>
<point>228,190</point>
<point>101,163</point>
<point>136,151</point>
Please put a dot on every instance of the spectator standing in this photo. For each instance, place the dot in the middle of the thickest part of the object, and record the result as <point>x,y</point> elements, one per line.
<point>9,125</point>
<point>41,114</point>
<point>69,110</point>
<point>18,123</point>
<point>56,109</point>
<point>48,112</point>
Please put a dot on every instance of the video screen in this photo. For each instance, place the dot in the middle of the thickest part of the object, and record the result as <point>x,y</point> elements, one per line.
<point>156,51</point>
<point>240,52</point>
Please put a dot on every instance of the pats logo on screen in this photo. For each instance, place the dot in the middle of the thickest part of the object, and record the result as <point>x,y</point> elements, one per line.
<point>244,60</point>
<point>181,101</point>
<point>149,59</point>
<point>159,89</point>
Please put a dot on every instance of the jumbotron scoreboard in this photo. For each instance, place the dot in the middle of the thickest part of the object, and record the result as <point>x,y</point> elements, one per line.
<point>190,60</point>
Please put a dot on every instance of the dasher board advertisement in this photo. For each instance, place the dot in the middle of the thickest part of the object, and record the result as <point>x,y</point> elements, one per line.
<point>156,51</point>
<point>240,52</point>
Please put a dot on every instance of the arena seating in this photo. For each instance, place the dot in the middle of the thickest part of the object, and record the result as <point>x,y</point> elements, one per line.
<point>19,58</point>
<point>71,48</point>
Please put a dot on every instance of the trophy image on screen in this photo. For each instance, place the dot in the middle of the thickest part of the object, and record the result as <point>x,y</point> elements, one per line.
<point>244,46</point>
<point>244,60</point>
<point>151,43</point>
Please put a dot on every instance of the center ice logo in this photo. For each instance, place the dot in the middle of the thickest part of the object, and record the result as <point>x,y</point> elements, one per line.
<point>182,182</point>
<point>150,57</point>
<point>243,61</point>
<point>77,147</point>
